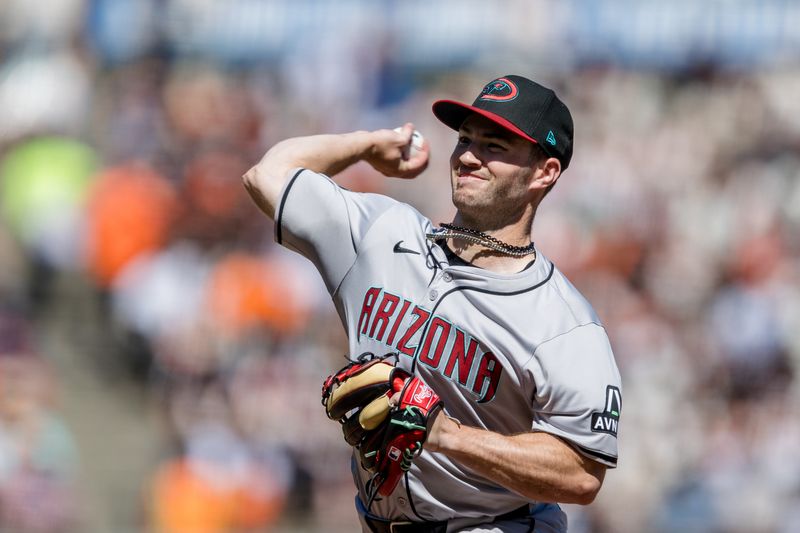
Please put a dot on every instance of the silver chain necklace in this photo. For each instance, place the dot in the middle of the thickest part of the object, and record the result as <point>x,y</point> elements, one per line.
<point>449,231</point>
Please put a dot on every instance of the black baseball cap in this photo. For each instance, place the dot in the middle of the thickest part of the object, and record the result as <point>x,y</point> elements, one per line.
<point>522,106</point>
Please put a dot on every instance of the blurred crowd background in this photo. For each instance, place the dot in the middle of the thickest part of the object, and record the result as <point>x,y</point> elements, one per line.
<point>161,357</point>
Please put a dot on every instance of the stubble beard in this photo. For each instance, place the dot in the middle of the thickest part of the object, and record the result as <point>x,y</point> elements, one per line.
<point>484,210</point>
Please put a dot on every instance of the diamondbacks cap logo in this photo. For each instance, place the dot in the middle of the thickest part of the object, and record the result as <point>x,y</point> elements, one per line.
<point>499,90</point>
<point>551,139</point>
<point>608,420</point>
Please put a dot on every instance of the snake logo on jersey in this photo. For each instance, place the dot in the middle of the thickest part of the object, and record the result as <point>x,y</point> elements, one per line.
<point>447,349</point>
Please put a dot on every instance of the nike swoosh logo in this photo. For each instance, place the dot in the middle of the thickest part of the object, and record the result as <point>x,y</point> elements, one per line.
<point>402,250</point>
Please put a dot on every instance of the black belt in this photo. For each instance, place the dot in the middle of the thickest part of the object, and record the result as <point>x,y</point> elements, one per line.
<point>378,525</point>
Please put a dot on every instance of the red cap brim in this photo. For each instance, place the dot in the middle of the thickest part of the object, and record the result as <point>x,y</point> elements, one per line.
<point>452,114</point>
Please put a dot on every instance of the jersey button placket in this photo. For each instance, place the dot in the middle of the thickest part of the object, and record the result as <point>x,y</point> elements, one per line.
<point>447,277</point>
<point>433,294</point>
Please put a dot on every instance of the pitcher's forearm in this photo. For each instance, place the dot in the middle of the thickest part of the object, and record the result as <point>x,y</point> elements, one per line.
<point>538,466</point>
<point>330,154</point>
<point>327,154</point>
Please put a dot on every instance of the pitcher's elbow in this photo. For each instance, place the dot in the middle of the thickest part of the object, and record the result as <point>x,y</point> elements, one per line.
<point>263,191</point>
<point>249,178</point>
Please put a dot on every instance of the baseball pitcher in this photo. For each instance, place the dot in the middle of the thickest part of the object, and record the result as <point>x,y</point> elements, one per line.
<point>482,390</point>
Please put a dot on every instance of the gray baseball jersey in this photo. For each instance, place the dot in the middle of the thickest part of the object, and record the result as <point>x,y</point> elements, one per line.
<point>507,353</point>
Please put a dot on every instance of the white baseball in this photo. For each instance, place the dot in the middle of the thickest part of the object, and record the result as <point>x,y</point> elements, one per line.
<point>416,142</point>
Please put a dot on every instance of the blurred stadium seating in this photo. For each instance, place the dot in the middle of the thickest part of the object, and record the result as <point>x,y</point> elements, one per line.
<point>160,356</point>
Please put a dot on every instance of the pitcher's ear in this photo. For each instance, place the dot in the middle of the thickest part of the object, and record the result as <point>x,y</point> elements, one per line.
<point>546,173</point>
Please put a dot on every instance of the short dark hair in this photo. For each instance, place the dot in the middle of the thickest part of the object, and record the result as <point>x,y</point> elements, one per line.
<point>537,155</point>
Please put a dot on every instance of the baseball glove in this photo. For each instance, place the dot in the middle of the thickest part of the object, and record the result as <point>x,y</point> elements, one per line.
<point>385,413</point>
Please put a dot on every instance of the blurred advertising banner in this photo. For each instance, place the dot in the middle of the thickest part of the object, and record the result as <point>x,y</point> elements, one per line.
<point>736,33</point>
<point>448,33</point>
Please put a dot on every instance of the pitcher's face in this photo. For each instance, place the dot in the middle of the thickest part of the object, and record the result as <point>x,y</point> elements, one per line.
<point>491,170</point>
